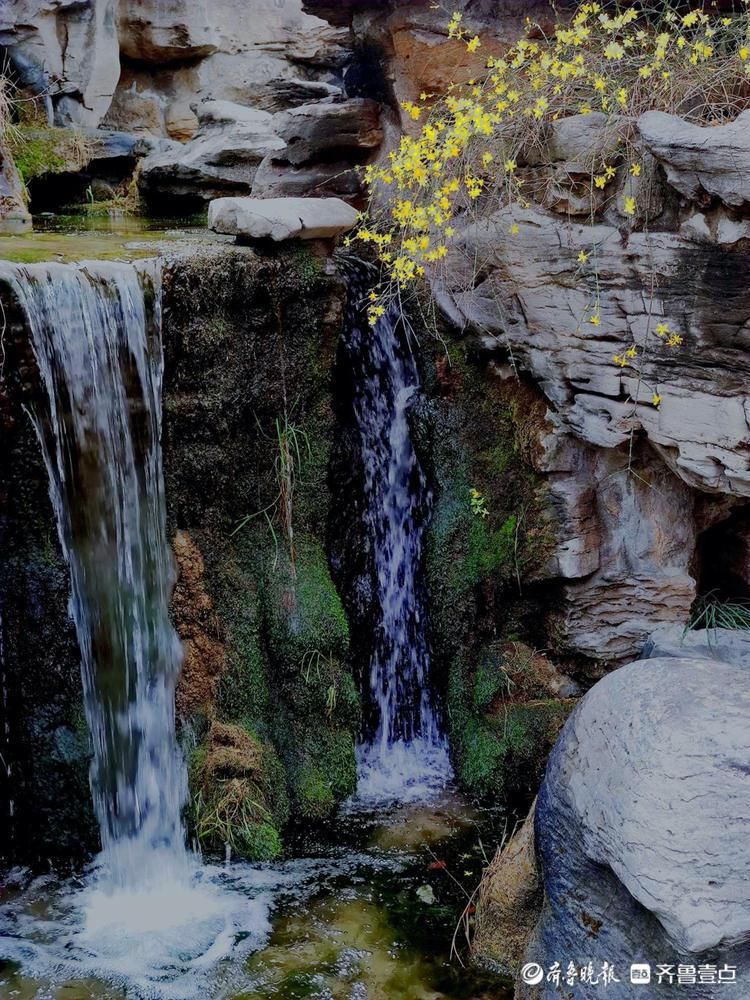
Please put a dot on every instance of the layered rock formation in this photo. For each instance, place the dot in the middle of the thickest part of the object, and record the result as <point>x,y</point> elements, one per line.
<point>67,53</point>
<point>171,55</point>
<point>310,150</point>
<point>624,473</point>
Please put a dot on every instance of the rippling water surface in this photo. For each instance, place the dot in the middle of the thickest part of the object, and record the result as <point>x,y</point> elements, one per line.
<point>371,918</point>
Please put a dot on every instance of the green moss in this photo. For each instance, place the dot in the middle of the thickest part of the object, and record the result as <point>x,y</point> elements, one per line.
<point>243,692</point>
<point>326,775</point>
<point>489,682</point>
<point>487,552</point>
<point>503,755</point>
<point>260,842</point>
<point>274,783</point>
<point>38,151</point>
<point>336,752</point>
<point>482,755</point>
<point>305,269</point>
<point>480,438</point>
<point>313,793</point>
<point>304,613</point>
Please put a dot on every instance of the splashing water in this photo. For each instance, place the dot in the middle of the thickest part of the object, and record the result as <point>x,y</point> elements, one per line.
<point>406,758</point>
<point>100,360</point>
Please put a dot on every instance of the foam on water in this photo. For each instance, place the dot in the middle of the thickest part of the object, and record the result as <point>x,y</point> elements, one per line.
<point>174,941</point>
<point>160,944</point>
<point>415,771</point>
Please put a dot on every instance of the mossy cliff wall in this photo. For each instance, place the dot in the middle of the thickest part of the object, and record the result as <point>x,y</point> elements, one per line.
<point>263,487</point>
<point>493,592</point>
<point>250,342</point>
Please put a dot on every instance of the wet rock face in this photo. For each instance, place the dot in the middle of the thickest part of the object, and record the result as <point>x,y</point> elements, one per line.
<point>250,340</point>
<point>640,822</point>
<point>199,629</point>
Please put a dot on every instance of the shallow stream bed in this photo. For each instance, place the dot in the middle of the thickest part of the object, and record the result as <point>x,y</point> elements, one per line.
<point>364,911</point>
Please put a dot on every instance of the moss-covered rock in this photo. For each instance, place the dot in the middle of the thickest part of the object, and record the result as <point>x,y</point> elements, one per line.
<point>305,619</point>
<point>489,541</point>
<point>324,772</point>
<point>482,546</point>
<point>308,639</point>
<point>505,708</point>
<point>250,344</point>
<point>238,793</point>
<point>40,150</point>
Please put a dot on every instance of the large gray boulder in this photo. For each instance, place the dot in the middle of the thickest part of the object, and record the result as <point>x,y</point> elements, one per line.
<point>281,218</point>
<point>641,830</point>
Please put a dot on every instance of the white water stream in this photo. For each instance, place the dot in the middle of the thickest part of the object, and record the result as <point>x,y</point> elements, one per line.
<point>406,758</point>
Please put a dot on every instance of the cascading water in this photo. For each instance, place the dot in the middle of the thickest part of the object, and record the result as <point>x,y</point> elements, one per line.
<point>100,361</point>
<point>406,757</point>
<point>100,434</point>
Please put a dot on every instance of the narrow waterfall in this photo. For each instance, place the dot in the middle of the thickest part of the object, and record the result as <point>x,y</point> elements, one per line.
<point>100,430</point>
<point>406,755</point>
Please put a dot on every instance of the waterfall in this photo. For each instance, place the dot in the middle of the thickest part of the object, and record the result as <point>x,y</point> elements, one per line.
<point>100,362</point>
<point>406,756</point>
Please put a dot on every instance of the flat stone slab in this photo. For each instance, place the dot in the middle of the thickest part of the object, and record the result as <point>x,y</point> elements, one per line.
<point>281,218</point>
